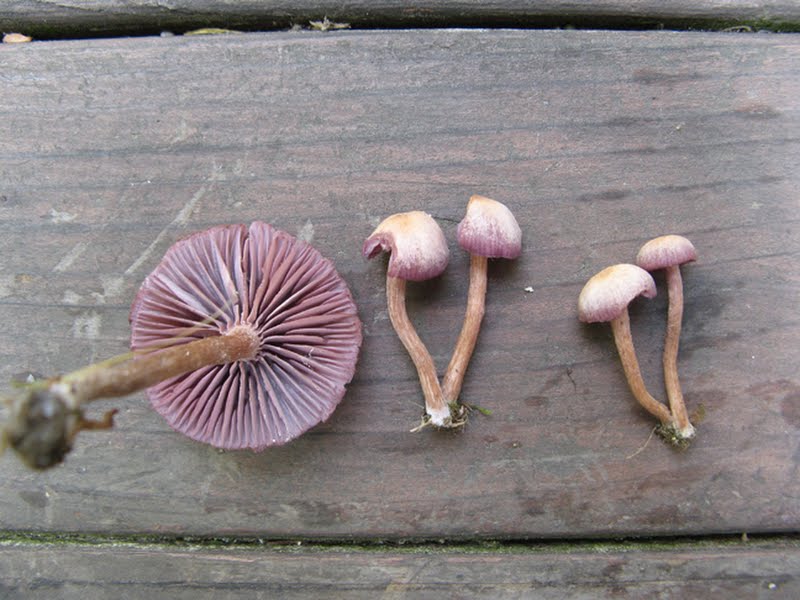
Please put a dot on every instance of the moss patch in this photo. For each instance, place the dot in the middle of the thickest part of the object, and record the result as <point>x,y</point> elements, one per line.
<point>600,546</point>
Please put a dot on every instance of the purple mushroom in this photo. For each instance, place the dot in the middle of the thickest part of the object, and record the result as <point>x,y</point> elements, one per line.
<point>255,282</point>
<point>488,230</point>
<point>669,252</point>
<point>245,337</point>
<point>605,299</point>
<point>418,251</point>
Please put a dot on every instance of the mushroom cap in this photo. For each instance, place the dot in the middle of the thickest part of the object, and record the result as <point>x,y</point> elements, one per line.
<point>416,243</point>
<point>665,251</point>
<point>296,302</point>
<point>609,292</point>
<point>489,229</point>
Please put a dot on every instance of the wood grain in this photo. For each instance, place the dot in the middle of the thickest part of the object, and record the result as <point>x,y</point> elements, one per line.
<point>53,18</point>
<point>748,571</point>
<point>112,150</point>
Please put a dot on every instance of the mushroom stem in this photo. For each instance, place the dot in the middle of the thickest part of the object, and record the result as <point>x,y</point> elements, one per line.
<point>142,370</point>
<point>46,416</point>
<point>670,360</point>
<point>435,405</point>
<point>476,301</point>
<point>621,326</point>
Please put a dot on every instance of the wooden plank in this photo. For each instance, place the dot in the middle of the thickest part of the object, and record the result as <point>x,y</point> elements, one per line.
<point>112,150</point>
<point>51,18</point>
<point>131,571</point>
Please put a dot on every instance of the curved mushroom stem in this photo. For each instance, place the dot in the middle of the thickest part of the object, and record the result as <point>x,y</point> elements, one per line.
<point>670,360</point>
<point>476,301</point>
<point>435,405</point>
<point>621,326</point>
<point>143,370</point>
<point>45,417</point>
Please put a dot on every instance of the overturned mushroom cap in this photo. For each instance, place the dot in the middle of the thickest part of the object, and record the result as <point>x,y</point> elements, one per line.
<point>489,229</point>
<point>295,302</point>
<point>417,245</point>
<point>608,293</point>
<point>665,251</point>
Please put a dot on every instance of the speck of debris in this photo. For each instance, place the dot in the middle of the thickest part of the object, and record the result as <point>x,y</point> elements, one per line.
<point>699,415</point>
<point>327,25</point>
<point>529,289</point>
<point>16,38</point>
<point>25,378</point>
<point>211,31</point>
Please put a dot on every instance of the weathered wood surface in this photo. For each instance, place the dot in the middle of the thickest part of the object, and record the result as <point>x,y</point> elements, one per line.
<point>748,571</point>
<point>111,150</point>
<point>47,18</point>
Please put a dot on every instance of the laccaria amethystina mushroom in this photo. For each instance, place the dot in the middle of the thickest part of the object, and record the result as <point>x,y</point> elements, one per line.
<point>418,251</point>
<point>245,337</point>
<point>276,290</point>
<point>489,230</point>
<point>669,252</point>
<point>605,298</point>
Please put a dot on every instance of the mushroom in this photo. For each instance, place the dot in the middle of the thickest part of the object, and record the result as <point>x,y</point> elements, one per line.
<point>669,252</point>
<point>605,298</point>
<point>244,336</point>
<point>418,251</point>
<point>488,230</point>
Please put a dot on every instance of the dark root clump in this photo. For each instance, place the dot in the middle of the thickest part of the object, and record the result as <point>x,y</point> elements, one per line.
<point>671,437</point>
<point>41,429</point>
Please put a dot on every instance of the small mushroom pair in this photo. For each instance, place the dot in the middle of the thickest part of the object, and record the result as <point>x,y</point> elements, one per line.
<point>244,337</point>
<point>418,252</point>
<point>605,298</point>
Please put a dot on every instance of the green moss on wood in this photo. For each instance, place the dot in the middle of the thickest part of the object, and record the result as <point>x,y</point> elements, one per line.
<point>604,546</point>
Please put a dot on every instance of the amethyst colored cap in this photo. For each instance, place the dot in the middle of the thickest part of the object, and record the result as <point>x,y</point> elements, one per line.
<point>608,293</point>
<point>489,229</point>
<point>416,243</point>
<point>665,251</point>
<point>300,308</point>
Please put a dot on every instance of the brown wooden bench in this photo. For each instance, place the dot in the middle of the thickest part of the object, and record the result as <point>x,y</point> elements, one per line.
<point>113,149</point>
